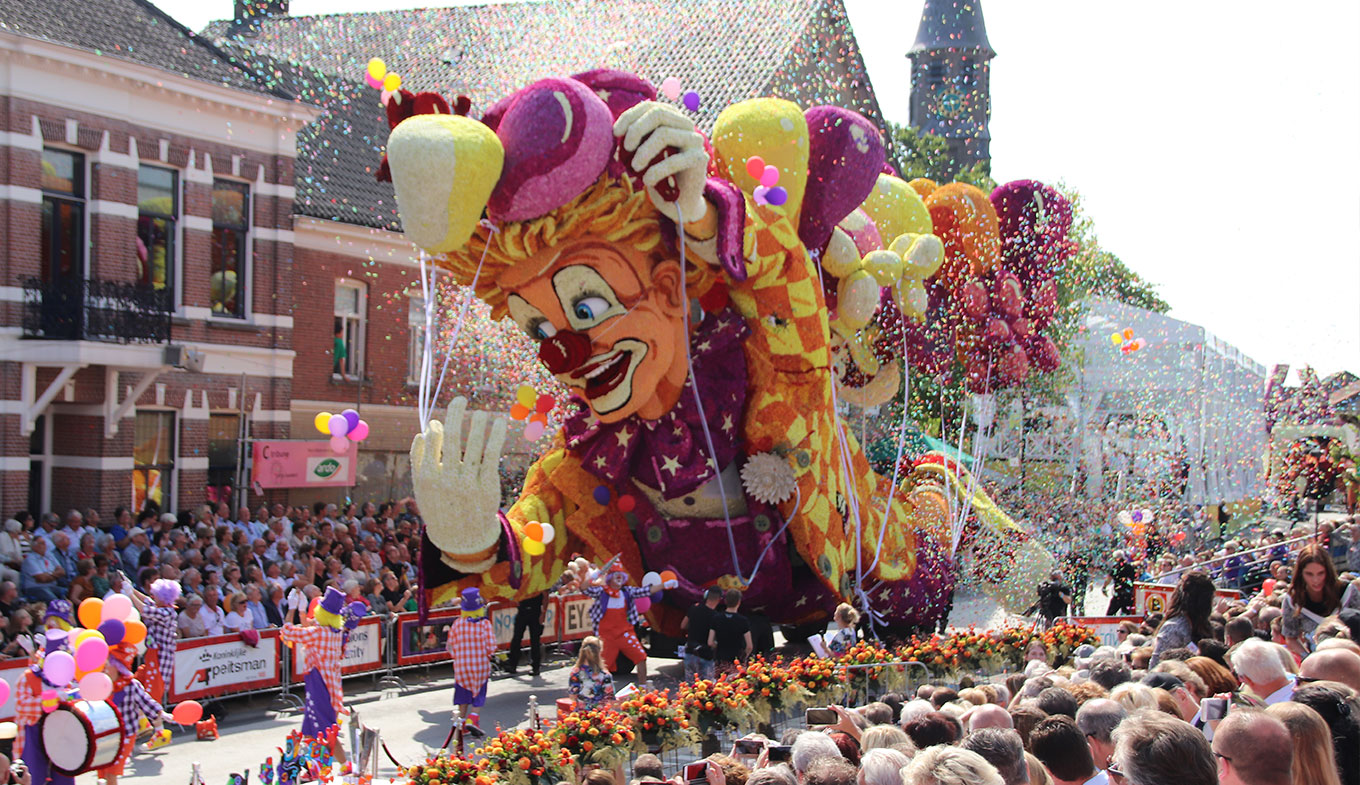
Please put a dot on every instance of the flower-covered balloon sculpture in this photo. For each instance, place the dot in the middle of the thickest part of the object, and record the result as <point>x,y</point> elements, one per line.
<point>706,335</point>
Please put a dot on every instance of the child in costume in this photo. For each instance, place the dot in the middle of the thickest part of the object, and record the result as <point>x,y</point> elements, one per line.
<point>615,616</point>
<point>28,711</point>
<point>133,701</point>
<point>471,644</point>
<point>157,671</point>
<point>325,642</point>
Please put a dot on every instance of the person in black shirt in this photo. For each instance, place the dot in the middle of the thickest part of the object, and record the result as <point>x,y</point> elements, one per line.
<point>528,615</point>
<point>1122,575</point>
<point>698,621</point>
<point>1054,597</point>
<point>730,635</point>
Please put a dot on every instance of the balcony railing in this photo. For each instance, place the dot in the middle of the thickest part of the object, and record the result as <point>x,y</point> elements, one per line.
<point>96,310</point>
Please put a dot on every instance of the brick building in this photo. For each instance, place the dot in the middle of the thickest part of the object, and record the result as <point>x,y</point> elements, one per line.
<point>146,257</point>
<point>225,213</point>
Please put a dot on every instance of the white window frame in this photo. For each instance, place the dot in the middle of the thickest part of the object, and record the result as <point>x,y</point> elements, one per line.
<point>356,356</point>
<point>415,341</point>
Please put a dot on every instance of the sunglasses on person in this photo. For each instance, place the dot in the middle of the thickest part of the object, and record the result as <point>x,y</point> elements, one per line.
<point>1115,774</point>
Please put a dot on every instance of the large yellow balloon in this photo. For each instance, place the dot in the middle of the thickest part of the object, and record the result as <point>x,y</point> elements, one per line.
<point>444,168</point>
<point>322,421</point>
<point>773,129</point>
<point>841,257</point>
<point>896,208</point>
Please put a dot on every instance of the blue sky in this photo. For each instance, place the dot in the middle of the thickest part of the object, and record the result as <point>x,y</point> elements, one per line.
<point>1217,145</point>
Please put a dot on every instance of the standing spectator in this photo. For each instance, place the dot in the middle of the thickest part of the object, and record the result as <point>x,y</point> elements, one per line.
<point>528,616</point>
<point>11,550</point>
<point>1314,753</point>
<point>698,621</point>
<point>1314,594</point>
<point>946,765</point>
<point>1122,576</point>
<point>1187,616</point>
<point>589,682</point>
<point>1062,748</point>
<point>1097,719</point>
<point>1002,748</point>
<point>1054,598</point>
<point>730,635</point>
<point>846,617</point>
<point>1152,748</point>
<point>1253,748</point>
<point>40,574</point>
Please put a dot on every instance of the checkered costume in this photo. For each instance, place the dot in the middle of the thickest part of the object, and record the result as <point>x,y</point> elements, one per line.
<point>325,698</point>
<point>162,631</point>
<point>27,706</point>
<point>601,597</point>
<point>132,701</point>
<point>471,644</point>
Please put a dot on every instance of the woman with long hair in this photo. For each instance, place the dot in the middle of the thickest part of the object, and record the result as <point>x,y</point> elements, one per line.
<point>1187,615</point>
<point>589,682</point>
<point>1314,756</point>
<point>1314,594</point>
<point>1340,709</point>
<point>846,618</point>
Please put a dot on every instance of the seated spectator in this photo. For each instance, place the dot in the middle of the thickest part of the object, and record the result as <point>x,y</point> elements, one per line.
<point>946,765</point>
<point>1261,671</point>
<point>1331,665</point>
<point>1152,748</point>
<point>1253,748</point>
<point>1002,748</point>
<point>82,585</point>
<point>1060,746</point>
<point>237,617</point>
<point>934,728</point>
<point>192,622</point>
<point>39,579</point>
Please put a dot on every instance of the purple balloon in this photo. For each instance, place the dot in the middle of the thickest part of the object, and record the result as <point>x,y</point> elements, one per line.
<point>691,101</point>
<point>777,195</point>
<point>351,417</point>
<point>113,631</point>
<point>845,157</point>
<point>339,426</point>
<point>601,495</point>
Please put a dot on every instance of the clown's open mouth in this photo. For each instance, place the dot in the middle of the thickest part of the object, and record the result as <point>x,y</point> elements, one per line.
<point>602,376</point>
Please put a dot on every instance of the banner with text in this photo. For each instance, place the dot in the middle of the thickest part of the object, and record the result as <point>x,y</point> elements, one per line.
<point>363,651</point>
<point>298,464</point>
<point>574,612</point>
<point>224,664</point>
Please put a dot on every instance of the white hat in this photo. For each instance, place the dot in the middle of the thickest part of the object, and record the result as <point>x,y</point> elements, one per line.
<point>169,517</point>
<point>13,525</point>
<point>136,530</point>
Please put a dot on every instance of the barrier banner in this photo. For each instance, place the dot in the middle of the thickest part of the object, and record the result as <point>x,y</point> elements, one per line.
<point>363,651</point>
<point>222,664</point>
<point>421,643</point>
<point>10,671</point>
<point>303,464</point>
<point>574,611</point>
<point>1106,627</point>
<point>1149,598</point>
<point>503,619</point>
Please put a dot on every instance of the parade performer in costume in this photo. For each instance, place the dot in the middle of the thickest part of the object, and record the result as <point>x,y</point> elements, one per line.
<point>133,702</point>
<point>157,672</point>
<point>471,644</point>
<point>28,713</point>
<point>615,616</point>
<point>324,637</point>
<point>703,436</point>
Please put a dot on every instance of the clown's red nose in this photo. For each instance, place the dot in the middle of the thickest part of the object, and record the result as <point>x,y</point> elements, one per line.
<point>564,351</point>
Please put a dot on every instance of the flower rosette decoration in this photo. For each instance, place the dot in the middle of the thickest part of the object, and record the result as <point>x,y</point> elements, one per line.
<point>443,769</point>
<point>1062,639</point>
<point>863,669</point>
<point>659,723</point>
<point>717,704</point>
<point>774,686</point>
<point>596,737</point>
<point>816,677</point>
<point>526,757</point>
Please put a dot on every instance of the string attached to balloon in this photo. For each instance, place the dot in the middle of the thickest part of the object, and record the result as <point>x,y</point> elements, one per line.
<point>342,428</point>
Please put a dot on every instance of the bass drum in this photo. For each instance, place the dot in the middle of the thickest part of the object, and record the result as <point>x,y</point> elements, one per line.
<point>82,736</point>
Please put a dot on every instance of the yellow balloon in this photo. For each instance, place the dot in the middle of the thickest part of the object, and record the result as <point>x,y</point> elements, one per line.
<point>912,300</point>
<point>526,396</point>
<point>841,257</point>
<point>392,83</point>
<point>444,168</point>
<point>533,547</point>
<point>884,266</point>
<point>323,422</point>
<point>922,254</point>
<point>377,68</point>
<point>896,208</point>
<point>857,299</point>
<point>1116,338</point>
<point>773,129</point>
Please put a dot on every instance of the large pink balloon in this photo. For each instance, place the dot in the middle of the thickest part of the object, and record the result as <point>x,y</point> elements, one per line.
<point>59,668</point>
<point>96,686</point>
<point>117,607</point>
<point>91,655</point>
<point>360,431</point>
<point>642,604</point>
<point>339,444</point>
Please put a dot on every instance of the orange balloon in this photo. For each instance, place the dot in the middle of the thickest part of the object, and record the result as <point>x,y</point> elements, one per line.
<point>965,220</point>
<point>534,531</point>
<point>89,612</point>
<point>188,712</point>
<point>519,412</point>
<point>667,576</point>
<point>134,632</point>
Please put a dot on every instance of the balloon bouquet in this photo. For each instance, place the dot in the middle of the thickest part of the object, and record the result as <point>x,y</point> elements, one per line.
<point>342,428</point>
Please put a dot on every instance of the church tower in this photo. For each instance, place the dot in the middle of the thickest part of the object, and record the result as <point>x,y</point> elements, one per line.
<point>950,78</point>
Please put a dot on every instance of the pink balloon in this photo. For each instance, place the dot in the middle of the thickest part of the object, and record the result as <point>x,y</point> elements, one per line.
<point>91,655</point>
<point>759,195</point>
<point>339,426</point>
<point>670,87</point>
<point>59,668</point>
<point>643,604</point>
<point>770,177</point>
<point>534,431</point>
<point>339,444</point>
<point>96,686</point>
<point>117,607</point>
<point>360,431</point>
<point>4,690</point>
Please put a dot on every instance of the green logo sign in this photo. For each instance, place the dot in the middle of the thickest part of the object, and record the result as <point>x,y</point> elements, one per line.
<point>326,468</point>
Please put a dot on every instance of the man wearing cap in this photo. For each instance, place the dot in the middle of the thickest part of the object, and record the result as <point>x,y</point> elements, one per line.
<point>157,672</point>
<point>323,637</point>
<point>471,644</point>
<point>615,616</point>
<point>28,713</point>
<point>133,701</point>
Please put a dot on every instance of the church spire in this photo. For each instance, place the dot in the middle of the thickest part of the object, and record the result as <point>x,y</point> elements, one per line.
<point>951,78</point>
<point>952,24</point>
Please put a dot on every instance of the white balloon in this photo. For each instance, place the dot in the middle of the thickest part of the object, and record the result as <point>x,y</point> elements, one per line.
<point>548,532</point>
<point>651,579</point>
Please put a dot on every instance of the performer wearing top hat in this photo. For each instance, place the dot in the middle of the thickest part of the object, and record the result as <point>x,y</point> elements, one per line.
<point>157,672</point>
<point>325,641</point>
<point>615,616</point>
<point>132,700</point>
<point>471,644</point>
<point>28,710</point>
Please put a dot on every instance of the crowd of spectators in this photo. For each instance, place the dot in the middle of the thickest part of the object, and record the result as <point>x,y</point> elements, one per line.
<point>241,571</point>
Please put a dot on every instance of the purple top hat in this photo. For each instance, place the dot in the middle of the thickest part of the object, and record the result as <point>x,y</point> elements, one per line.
<point>55,641</point>
<point>61,609</point>
<point>334,601</point>
<point>471,600</point>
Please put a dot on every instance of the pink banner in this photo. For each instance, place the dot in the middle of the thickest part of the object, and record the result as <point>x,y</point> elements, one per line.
<point>296,464</point>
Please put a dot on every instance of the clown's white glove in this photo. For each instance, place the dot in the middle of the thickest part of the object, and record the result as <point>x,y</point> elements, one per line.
<point>458,486</point>
<point>648,129</point>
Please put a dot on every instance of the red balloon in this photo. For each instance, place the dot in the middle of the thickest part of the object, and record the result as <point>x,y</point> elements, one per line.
<point>998,333</point>
<point>1046,358</point>
<point>188,712</point>
<point>1268,587</point>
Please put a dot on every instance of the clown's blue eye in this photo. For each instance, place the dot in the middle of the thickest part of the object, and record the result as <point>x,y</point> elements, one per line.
<point>590,308</point>
<point>544,330</point>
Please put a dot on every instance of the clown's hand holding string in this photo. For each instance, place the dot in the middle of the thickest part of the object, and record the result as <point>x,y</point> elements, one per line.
<point>459,473</point>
